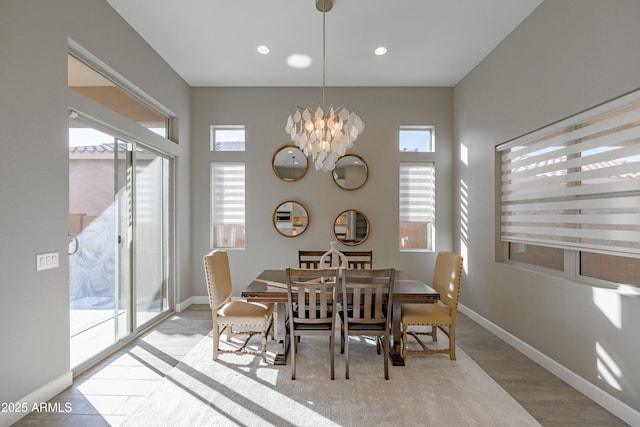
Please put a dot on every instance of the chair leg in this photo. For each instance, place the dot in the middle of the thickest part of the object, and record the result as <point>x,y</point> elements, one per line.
<point>385,356</point>
<point>342,338</point>
<point>293,357</point>
<point>404,342</point>
<point>216,337</point>
<point>346,350</point>
<point>434,333</point>
<point>264,345</point>
<point>452,342</point>
<point>332,344</point>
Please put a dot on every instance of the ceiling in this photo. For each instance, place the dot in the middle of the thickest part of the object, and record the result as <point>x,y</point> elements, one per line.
<point>429,42</point>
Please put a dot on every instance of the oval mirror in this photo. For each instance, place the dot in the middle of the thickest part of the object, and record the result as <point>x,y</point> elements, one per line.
<point>290,218</point>
<point>351,172</point>
<point>289,163</point>
<point>351,227</point>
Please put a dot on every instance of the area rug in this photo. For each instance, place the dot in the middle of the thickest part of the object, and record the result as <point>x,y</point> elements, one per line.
<point>243,390</point>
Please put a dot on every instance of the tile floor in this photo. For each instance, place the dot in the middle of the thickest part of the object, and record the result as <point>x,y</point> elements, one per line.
<point>107,393</point>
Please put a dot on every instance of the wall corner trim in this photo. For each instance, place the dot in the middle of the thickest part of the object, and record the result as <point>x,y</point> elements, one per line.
<point>601,397</point>
<point>37,397</point>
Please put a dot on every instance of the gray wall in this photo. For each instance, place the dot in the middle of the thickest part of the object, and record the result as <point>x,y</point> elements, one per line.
<point>264,111</point>
<point>567,56</point>
<point>34,38</point>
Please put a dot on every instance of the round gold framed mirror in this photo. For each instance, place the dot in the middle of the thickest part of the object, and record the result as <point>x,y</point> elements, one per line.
<point>351,172</point>
<point>351,227</point>
<point>289,163</point>
<point>290,218</point>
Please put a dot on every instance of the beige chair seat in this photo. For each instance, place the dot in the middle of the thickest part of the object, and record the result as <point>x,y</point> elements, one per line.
<point>430,314</point>
<point>244,312</point>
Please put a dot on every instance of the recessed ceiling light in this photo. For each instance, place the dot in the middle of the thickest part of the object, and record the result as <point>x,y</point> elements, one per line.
<point>381,50</point>
<point>299,61</point>
<point>263,49</point>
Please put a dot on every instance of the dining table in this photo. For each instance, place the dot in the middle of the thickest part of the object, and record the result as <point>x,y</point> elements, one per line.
<point>270,286</point>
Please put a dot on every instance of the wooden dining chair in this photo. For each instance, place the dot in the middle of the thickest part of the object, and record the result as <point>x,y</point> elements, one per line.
<point>447,276</point>
<point>359,259</point>
<point>253,317</point>
<point>311,259</point>
<point>369,296</point>
<point>310,293</point>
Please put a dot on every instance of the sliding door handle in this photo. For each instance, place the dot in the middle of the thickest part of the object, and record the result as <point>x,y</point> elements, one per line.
<point>73,244</point>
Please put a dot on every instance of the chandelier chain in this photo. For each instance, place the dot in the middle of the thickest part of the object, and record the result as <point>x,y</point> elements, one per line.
<point>322,134</point>
<point>324,57</point>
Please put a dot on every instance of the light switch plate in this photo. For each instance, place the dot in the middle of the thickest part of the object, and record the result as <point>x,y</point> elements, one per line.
<point>47,261</point>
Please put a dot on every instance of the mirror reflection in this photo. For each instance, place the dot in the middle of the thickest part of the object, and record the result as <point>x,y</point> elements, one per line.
<point>290,218</point>
<point>351,227</point>
<point>289,163</point>
<point>351,172</point>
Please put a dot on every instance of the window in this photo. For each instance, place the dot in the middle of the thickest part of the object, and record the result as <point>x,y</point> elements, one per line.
<point>574,186</point>
<point>227,138</point>
<point>542,256</point>
<point>417,206</point>
<point>90,83</point>
<point>227,205</point>
<point>617,269</point>
<point>416,139</point>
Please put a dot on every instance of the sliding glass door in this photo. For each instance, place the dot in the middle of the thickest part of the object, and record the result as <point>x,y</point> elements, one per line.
<point>118,234</point>
<point>150,233</point>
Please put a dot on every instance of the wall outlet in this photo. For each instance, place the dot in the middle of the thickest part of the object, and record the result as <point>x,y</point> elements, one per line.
<point>47,261</point>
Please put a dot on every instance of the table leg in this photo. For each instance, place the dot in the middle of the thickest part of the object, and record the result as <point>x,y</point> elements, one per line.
<point>395,349</point>
<point>281,335</point>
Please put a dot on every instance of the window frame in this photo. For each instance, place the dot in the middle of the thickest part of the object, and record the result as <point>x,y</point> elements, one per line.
<point>623,109</point>
<point>213,141</point>
<point>429,225</point>
<point>213,222</point>
<point>119,98</point>
<point>415,128</point>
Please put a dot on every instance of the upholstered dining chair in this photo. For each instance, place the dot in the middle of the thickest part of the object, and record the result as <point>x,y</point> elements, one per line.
<point>311,259</point>
<point>310,293</point>
<point>252,317</point>
<point>368,311</point>
<point>441,315</point>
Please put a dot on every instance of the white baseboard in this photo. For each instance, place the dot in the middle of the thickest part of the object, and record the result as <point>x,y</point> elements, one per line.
<point>601,397</point>
<point>36,398</point>
<point>181,306</point>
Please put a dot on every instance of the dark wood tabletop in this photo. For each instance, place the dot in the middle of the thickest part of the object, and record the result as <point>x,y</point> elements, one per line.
<point>271,286</point>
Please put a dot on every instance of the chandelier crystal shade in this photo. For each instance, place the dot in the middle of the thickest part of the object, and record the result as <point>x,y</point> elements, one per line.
<point>324,135</point>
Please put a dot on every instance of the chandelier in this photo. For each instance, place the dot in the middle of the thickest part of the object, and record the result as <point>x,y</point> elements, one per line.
<point>324,134</point>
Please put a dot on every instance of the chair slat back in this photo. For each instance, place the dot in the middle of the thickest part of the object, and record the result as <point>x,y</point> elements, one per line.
<point>359,259</point>
<point>313,290</point>
<point>372,294</point>
<point>311,259</point>
<point>447,275</point>
<point>218,275</point>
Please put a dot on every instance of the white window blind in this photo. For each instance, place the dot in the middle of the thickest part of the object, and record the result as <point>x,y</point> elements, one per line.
<point>227,204</point>
<point>417,205</point>
<point>576,184</point>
